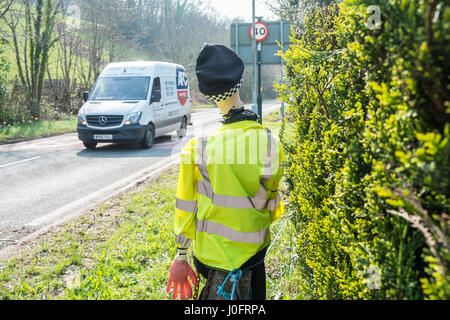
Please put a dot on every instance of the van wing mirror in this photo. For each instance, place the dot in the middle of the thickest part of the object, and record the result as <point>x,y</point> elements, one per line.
<point>85,96</point>
<point>156,96</point>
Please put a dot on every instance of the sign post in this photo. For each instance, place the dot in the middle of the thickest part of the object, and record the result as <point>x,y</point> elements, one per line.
<point>260,31</point>
<point>260,98</point>
<point>253,37</point>
<point>258,43</point>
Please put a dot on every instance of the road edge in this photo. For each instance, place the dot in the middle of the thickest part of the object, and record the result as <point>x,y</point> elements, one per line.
<point>109,192</point>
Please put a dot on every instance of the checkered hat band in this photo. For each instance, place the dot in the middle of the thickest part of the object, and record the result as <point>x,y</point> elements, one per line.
<point>226,95</point>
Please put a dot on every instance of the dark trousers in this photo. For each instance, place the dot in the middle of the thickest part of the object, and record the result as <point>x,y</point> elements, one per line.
<point>258,282</point>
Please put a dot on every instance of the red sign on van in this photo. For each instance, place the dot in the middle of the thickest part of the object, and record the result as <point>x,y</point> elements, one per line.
<point>182,96</point>
<point>182,86</point>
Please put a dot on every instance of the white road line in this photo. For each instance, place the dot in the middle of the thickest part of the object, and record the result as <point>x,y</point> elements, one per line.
<point>17,162</point>
<point>105,193</point>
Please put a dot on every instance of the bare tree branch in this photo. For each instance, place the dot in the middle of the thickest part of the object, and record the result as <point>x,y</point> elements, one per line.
<point>4,7</point>
<point>417,222</point>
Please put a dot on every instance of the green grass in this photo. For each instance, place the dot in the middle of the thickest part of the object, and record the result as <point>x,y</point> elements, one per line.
<point>34,130</point>
<point>123,250</point>
<point>120,250</point>
<point>133,263</point>
<point>281,262</point>
<point>273,121</point>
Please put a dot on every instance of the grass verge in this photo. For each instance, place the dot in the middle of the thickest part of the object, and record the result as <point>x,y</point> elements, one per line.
<point>119,250</point>
<point>35,130</point>
<point>122,250</point>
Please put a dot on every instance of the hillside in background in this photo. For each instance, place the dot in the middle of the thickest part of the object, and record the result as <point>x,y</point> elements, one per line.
<point>77,39</point>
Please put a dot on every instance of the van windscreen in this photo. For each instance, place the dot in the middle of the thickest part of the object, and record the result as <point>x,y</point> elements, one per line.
<point>121,88</point>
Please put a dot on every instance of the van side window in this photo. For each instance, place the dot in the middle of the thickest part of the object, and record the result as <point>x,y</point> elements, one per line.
<point>156,91</point>
<point>157,84</point>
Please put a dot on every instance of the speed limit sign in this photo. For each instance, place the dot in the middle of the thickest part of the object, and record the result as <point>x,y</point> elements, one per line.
<point>261,31</point>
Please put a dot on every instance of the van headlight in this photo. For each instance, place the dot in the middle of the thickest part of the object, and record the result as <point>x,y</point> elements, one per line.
<point>133,118</point>
<point>81,119</point>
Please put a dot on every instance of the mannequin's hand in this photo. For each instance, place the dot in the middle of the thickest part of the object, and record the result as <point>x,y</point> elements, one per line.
<point>180,271</point>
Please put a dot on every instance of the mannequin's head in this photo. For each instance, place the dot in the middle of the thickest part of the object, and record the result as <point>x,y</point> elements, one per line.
<point>219,72</point>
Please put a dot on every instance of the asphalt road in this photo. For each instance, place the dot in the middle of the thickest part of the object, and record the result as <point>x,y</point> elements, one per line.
<point>47,180</point>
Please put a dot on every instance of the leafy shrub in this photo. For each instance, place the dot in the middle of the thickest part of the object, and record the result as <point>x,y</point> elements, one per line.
<point>369,167</point>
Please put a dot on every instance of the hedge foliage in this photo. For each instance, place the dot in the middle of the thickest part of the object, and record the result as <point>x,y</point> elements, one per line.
<point>369,166</point>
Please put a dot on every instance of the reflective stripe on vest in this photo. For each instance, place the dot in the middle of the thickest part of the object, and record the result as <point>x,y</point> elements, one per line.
<point>274,204</point>
<point>231,234</point>
<point>203,159</point>
<point>258,202</point>
<point>183,241</point>
<point>185,205</point>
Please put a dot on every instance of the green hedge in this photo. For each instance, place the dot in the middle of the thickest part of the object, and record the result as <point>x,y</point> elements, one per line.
<point>369,167</point>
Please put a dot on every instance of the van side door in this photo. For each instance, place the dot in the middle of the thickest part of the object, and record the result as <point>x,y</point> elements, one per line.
<point>172,105</point>
<point>156,104</point>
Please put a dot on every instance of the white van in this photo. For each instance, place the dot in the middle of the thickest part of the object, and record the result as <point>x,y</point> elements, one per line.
<point>135,102</point>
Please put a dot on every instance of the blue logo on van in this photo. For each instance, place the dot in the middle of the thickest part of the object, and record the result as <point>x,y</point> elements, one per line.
<point>182,86</point>
<point>182,81</point>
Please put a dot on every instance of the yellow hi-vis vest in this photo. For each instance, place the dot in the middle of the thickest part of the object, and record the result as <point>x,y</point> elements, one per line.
<point>227,195</point>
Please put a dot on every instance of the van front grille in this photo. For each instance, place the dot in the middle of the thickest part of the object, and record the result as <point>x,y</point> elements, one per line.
<point>104,121</point>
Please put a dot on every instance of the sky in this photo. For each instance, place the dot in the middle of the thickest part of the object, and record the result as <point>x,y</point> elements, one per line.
<point>242,8</point>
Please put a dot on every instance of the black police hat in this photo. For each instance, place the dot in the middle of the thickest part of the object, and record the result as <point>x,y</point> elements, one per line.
<point>219,71</point>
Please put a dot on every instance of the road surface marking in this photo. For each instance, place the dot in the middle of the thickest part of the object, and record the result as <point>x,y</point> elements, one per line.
<point>105,193</point>
<point>17,162</point>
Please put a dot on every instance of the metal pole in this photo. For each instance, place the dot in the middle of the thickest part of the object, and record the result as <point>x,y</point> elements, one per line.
<point>260,98</point>
<point>255,108</point>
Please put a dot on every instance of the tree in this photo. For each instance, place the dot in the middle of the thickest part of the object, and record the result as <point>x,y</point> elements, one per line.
<point>4,69</point>
<point>36,19</point>
<point>295,11</point>
<point>4,7</point>
<point>106,34</point>
<point>4,65</point>
<point>185,26</point>
<point>68,48</point>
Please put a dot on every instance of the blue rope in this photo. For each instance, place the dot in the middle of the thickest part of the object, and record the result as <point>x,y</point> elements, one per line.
<point>291,213</point>
<point>234,277</point>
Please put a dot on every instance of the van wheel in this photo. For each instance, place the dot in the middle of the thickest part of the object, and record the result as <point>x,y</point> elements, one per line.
<point>90,145</point>
<point>149,137</point>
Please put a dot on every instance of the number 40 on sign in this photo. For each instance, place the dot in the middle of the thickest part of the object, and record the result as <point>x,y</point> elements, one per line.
<point>261,31</point>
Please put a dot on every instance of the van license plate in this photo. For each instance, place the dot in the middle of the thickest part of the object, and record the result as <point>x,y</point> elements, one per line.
<point>103,137</point>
